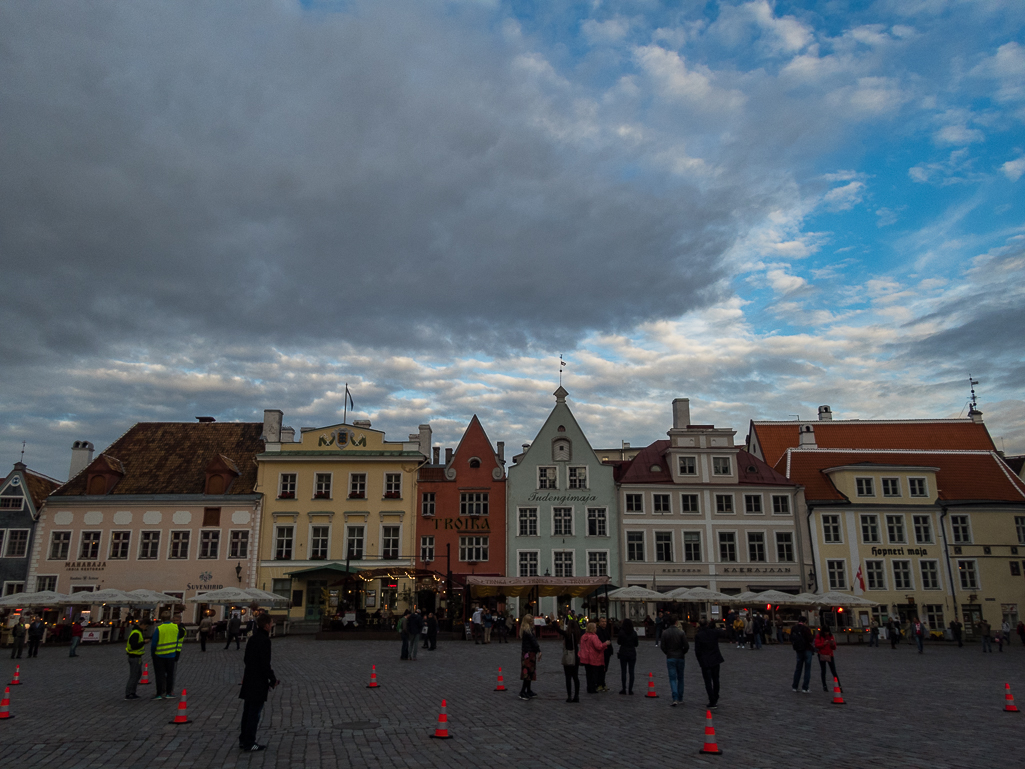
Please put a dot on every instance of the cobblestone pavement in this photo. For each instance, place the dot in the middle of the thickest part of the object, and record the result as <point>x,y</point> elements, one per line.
<point>939,709</point>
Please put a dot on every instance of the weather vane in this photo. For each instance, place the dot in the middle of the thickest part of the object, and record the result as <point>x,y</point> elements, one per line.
<point>23,452</point>
<point>974,406</point>
<point>562,365</point>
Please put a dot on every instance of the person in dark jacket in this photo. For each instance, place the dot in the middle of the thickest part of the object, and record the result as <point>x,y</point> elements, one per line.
<point>414,624</point>
<point>674,645</point>
<point>432,632</point>
<point>135,647</point>
<point>257,680</point>
<point>605,636</point>
<point>36,628</point>
<point>530,650</point>
<point>803,642</point>
<point>706,651</point>
<point>18,634</point>
<point>627,654</point>
<point>570,648</point>
<point>234,631</point>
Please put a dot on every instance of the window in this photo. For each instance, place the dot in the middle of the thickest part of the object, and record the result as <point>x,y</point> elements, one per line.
<point>597,563</point>
<point>212,516</point>
<point>689,503</point>
<point>11,503</point>
<point>870,529</point>
<point>831,529</point>
<point>528,521</point>
<point>390,542</point>
<point>473,503</point>
<point>528,563</point>
<point>692,545</point>
<point>238,545</point>
<point>286,486</point>
<point>578,477</point>
<point>664,546</point>
<point>1019,527</point>
<point>322,486</point>
<point>427,503</point>
<point>635,546</point>
<point>688,465</point>
<point>724,503</point>
<point>753,504</point>
<point>959,526</point>
<point>546,478</point>
<point>12,588</point>
<point>357,485</point>
<point>46,583</point>
<point>969,578</point>
<point>354,543</point>
<point>875,575</point>
<point>562,560</point>
<point>283,543</point>
<point>562,521</point>
<point>282,587</point>
<point>180,545</point>
<point>933,615</point>
<point>60,544</point>
<point>473,549</point>
<point>119,542</point>
<point>635,503</point>
<point>837,571</point>
<point>661,504</point>
<point>780,505</point>
<point>427,548</point>
<point>319,536</point>
<point>209,543</point>
<point>923,529</point>
<point>930,575</point>
<point>917,488</point>
<point>89,550</point>
<point>785,546</point>
<point>393,485</point>
<point>891,487</point>
<point>756,546</point>
<point>149,546</point>
<point>475,463</point>
<point>597,522</point>
<point>727,547</point>
<point>865,487</point>
<point>902,575</point>
<point>721,466</point>
<point>895,528</point>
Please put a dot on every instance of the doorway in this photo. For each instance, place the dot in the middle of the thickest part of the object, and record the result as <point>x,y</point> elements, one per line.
<point>315,599</point>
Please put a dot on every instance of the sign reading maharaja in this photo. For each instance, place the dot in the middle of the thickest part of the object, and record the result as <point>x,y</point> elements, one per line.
<point>343,438</point>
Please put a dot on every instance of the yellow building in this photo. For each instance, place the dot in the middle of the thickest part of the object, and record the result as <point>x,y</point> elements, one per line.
<point>341,497</point>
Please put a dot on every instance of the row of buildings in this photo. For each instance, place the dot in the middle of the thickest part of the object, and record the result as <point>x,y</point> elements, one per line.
<point>923,516</point>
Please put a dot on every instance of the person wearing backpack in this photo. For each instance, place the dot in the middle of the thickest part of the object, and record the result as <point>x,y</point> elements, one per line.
<point>803,642</point>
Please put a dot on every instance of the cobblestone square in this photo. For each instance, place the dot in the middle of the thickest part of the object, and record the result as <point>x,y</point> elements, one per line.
<point>939,709</point>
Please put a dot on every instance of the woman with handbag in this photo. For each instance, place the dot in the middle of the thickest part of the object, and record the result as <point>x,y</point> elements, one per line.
<point>530,650</point>
<point>570,664</point>
<point>592,656</point>
<point>627,654</point>
<point>825,645</point>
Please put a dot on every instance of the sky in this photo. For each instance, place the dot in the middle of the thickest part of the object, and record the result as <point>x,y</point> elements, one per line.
<point>219,208</point>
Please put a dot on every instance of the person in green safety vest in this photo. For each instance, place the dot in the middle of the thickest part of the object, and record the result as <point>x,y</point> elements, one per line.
<point>164,648</point>
<point>135,647</point>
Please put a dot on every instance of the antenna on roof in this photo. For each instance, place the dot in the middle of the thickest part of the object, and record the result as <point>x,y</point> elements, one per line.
<point>974,402</point>
<point>23,452</point>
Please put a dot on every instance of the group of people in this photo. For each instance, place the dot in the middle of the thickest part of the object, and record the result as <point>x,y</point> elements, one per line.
<point>29,634</point>
<point>411,626</point>
<point>807,645</point>
<point>484,623</point>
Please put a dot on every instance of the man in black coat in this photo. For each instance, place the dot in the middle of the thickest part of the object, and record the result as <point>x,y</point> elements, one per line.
<point>257,680</point>
<point>432,632</point>
<point>706,650</point>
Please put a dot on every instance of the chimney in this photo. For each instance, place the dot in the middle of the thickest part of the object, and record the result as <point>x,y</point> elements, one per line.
<point>272,425</point>
<point>448,456</point>
<point>808,437</point>
<point>825,415</point>
<point>501,452</point>
<point>288,435</point>
<point>681,413</point>
<point>975,415</point>
<point>425,439</point>
<point>525,446</point>
<point>81,457</point>
<point>437,455</point>
<point>364,423</point>
<point>205,420</point>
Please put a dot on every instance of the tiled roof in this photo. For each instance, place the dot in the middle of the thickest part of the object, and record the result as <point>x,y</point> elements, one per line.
<point>928,434</point>
<point>172,457</point>
<point>39,487</point>
<point>962,476</point>
<point>750,469</point>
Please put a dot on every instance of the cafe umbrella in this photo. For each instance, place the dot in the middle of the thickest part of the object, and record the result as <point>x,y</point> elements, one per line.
<point>265,597</point>
<point>227,596</point>
<point>144,597</point>
<point>40,599</point>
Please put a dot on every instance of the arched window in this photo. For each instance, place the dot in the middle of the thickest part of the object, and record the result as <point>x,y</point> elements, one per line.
<point>475,463</point>
<point>97,485</point>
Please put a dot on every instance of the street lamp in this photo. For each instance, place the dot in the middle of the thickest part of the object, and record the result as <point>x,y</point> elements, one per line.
<point>238,572</point>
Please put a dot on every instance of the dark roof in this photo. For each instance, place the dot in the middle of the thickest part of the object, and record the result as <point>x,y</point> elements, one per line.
<point>172,458</point>
<point>1016,463</point>
<point>750,469</point>
<point>39,487</point>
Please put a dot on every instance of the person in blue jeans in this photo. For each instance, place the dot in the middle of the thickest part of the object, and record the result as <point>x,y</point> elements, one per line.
<point>674,645</point>
<point>803,643</point>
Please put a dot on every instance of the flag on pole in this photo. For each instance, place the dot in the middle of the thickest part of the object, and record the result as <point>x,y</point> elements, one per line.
<point>859,580</point>
<point>349,396</point>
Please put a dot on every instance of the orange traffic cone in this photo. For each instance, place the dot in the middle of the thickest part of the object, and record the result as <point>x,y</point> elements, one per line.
<point>145,674</point>
<point>17,674</point>
<point>1009,706</point>
<point>710,746</point>
<point>441,732</point>
<point>183,716</point>
<point>501,682</point>
<point>5,705</point>
<point>373,678</point>
<point>651,686</point>
<point>837,696</point>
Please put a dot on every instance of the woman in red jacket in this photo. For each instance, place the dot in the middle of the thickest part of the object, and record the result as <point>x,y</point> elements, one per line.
<point>825,645</point>
<point>592,656</point>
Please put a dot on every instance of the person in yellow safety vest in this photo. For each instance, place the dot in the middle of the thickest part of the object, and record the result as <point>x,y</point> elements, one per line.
<point>164,648</point>
<point>135,647</point>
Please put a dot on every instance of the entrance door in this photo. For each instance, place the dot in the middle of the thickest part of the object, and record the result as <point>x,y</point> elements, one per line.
<point>315,599</point>
<point>972,616</point>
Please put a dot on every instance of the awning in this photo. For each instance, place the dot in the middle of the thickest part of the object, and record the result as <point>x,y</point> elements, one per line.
<point>327,568</point>
<point>545,586</point>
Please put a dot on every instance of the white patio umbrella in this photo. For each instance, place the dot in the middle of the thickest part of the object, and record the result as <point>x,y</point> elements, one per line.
<point>698,595</point>
<point>262,596</point>
<point>782,599</point>
<point>745,599</point>
<point>38,599</point>
<point>144,597</point>
<point>836,598</point>
<point>229,596</point>
<point>107,595</point>
<point>636,593</point>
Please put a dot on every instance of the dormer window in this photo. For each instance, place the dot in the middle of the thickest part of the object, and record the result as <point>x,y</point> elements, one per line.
<point>220,473</point>
<point>561,451</point>
<point>721,466</point>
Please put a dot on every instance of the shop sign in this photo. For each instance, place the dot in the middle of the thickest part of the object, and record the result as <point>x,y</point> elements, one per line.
<point>469,523</point>
<point>900,551</point>
<point>754,570</point>
<point>561,498</point>
<point>85,565</point>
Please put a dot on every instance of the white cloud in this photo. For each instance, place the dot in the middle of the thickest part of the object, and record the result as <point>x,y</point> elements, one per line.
<point>1013,169</point>
<point>844,198</point>
<point>783,282</point>
<point>603,32</point>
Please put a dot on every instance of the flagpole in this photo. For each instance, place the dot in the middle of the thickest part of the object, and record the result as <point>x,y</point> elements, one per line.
<point>345,405</point>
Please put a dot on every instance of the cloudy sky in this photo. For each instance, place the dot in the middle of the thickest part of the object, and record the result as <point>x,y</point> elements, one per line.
<point>216,208</point>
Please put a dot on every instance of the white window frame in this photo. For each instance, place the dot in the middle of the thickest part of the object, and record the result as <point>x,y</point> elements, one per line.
<point>427,550</point>
<point>864,486</point>
<point>54,577</point>
<point>835,523</point>
<point>142,540</point>
<point>761,504</point>
<point>871,520</point>
<point>547,474</point>
<point>428,503</point>
<point>931,540</point>
<point>570,480</point>
<point>199,548</point>
<point>733,504</point>
<point>170,544</point>
<point>349,538</point>
<point>281,527</point>
<point>671,543</point>
<point>351,492</point>
<point>9,586</point>
<point>955,529</point>
<point>49,549</point>
<point>1019,528</point>
<point>701,549</point>
<point>385,493</point>
<point>793,547</point>
<point>521,517</point>
<point>696,498</point>
<point>601,520</point>
<point>891,480</point>
<point>380,538</point>
<point>974,571</point>
<point>658,496</point>
<point>628,543</point>
<point>572,521</point>
<point>607,556</point>
<point>474,503</point>
<point>880,572</point>
<point>627,501</point>
<point>81,541</point>
<point>765,550</point>
<point>729,466</point>
<point>903,527</point>
<point>693,464</point>
<point>281,485</point>
<point>572,561</point>
<point>785,499</point>
<point>110,545</point>
<point>520,564</point>
<point>910,572</point>
<point>925,487</point>
<point>830,571</point>
<point>719,544</point>
<point>330,535</point>
<point>232,540</point>
<point>936,572</point>
<point>330,485</point>
<point>474,542</point>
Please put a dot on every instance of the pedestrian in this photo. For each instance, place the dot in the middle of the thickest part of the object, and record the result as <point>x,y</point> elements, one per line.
<point>476,627</point>
<point>738,631</point>
<point>999,635</point>
<point>675,647</point>
<point>802,642</point>
<point>956,631</point>
<point>180,643</point>
<point>706,651</point>
<point>500,629</point>
<point>164,650</point>
<point>605,636</point>
<point>592,657</point>
<point>257,679</point>
<point>414,624</point>
<point>986,631</point>
<point>1021,631</point>
<point>530,651</point>
<point>135,646</point>
<point>759,629</point>
<point>1005,631</point>
<point>432,631</point>
<point>918,630</point>
<point>36,629</point>
<point>749,632</point>
<point>19,631</point>
<point>76,636</point>
<point>488,621</point>
<point>825,645</point>
<point>234,630</point>
<point>779,630</point>
<point>206,626</point>
<point>627,654</point>
<point>873,633</point>
<point>570,633</point>
<point>659,627</point>
<point>404,634</point>
<point>893,631</point>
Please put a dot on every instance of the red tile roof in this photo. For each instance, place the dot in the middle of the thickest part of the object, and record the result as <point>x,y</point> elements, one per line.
<point>638,470</point>
<point>929,434</point>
